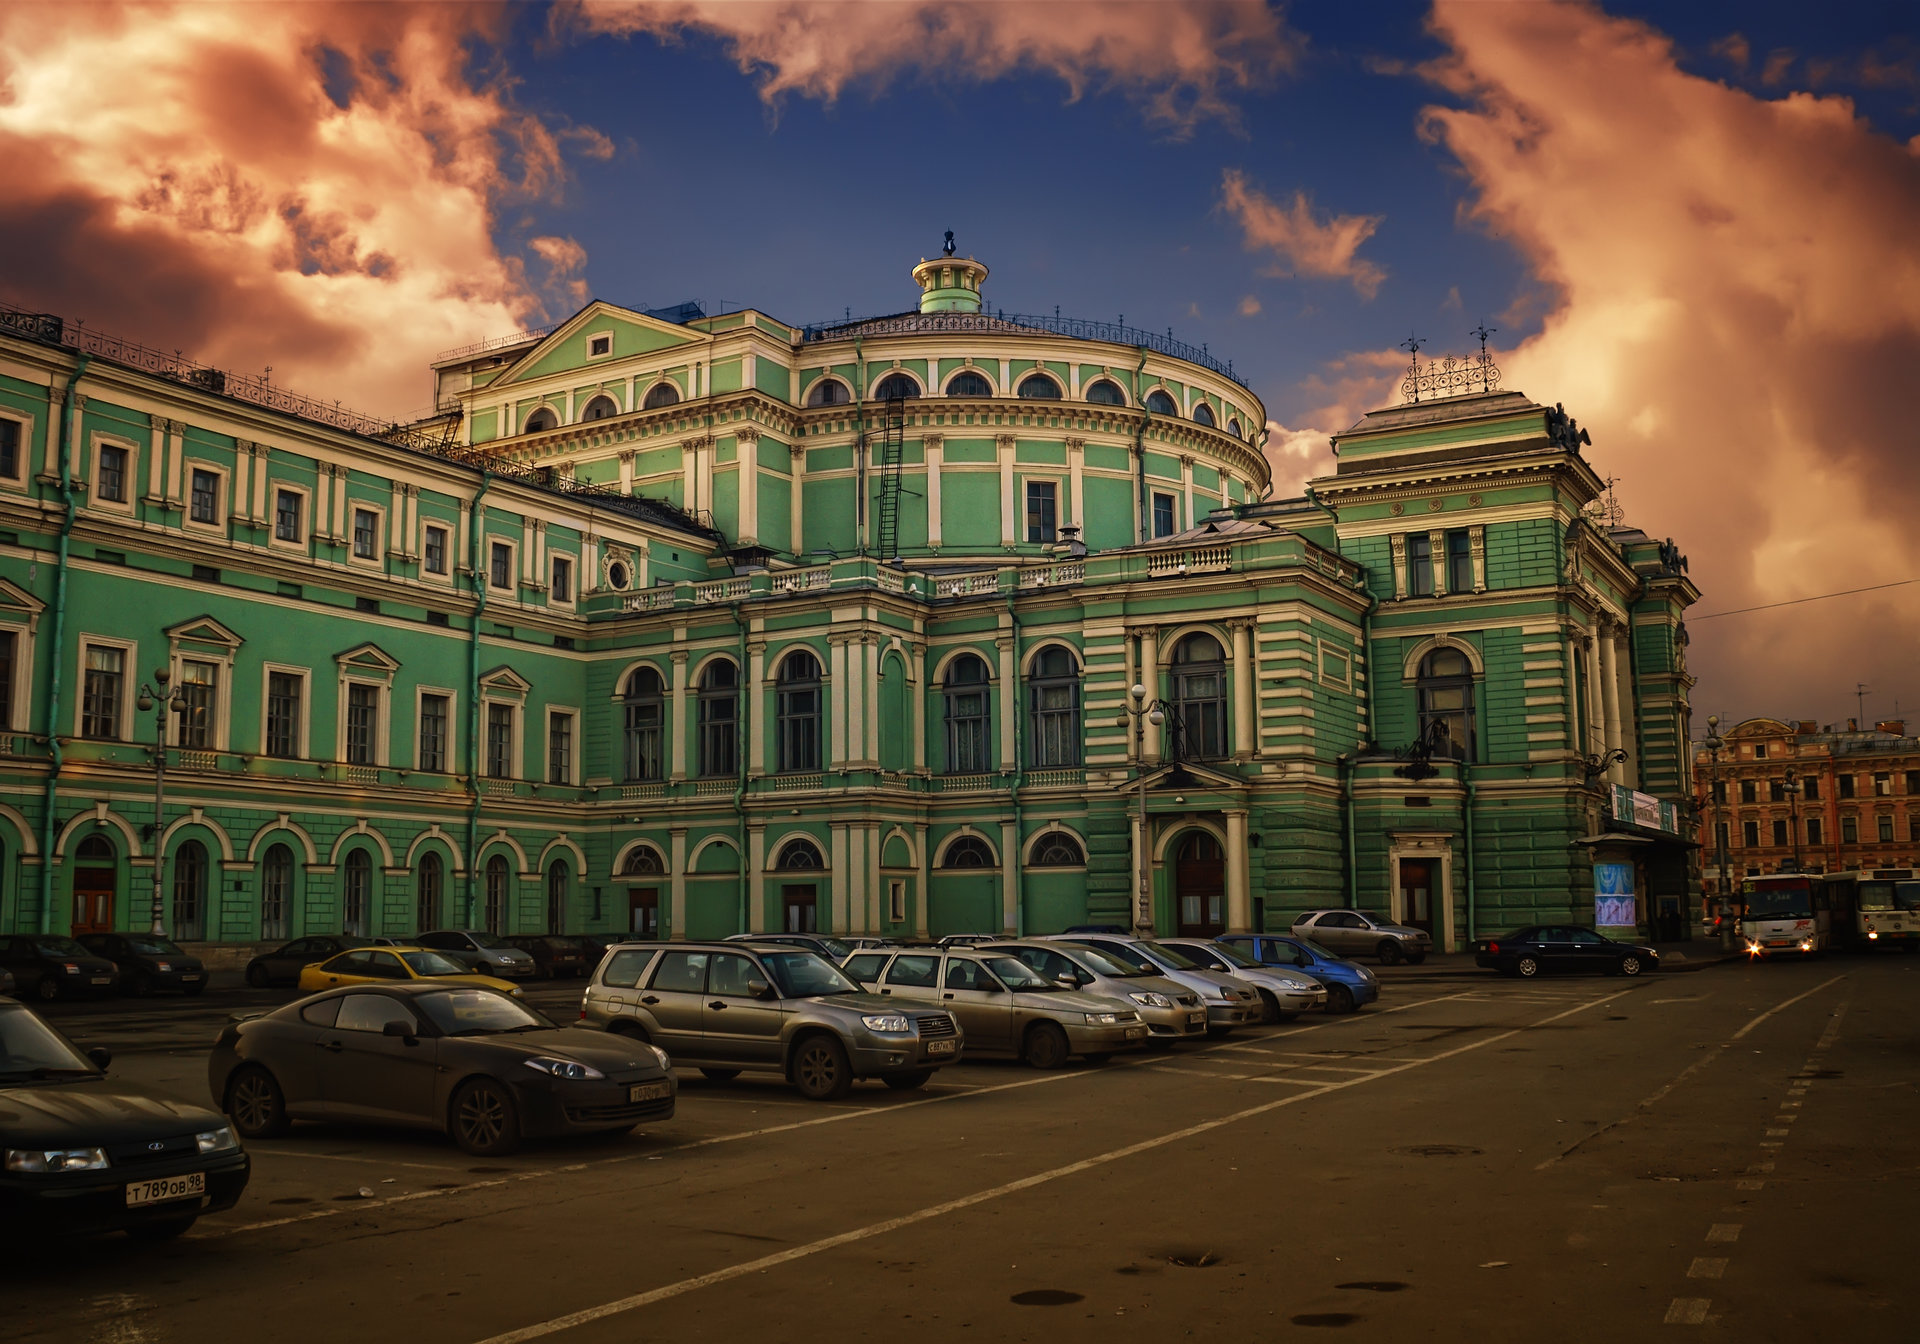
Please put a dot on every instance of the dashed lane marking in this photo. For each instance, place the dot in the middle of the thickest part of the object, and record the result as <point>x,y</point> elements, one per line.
<point>1724,1232</point>
<point>1707,1267</point>
<point>1688,1311</point>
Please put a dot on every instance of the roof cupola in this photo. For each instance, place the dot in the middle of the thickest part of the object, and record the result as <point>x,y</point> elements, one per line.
<point>949,284</point>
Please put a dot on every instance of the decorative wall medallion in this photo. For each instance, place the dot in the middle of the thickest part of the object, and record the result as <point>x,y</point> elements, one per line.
<point>1435,505</point>
<point>1475,501</point>
<point>1396,508</point>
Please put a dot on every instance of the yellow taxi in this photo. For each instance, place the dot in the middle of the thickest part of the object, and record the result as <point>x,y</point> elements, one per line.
<point>378,965</point>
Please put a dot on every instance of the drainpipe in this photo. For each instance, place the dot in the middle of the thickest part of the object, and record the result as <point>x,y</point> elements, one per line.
<point>64,451</point>
<point>742,724</point>
<point>860,450</point>
<point>1344,765</point>
<point>1019,762</point>
<point>1466,783</point>
<point>1140,453</point>
<point>478,579</point>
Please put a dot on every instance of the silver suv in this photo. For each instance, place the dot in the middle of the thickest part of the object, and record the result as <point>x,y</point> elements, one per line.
<point>1172,1012</point>
<point>1006,1007</point>
<point>728,1006</point>
<point>1353,934</point>
<point>1229,1002</point>
<point>1284,995</point>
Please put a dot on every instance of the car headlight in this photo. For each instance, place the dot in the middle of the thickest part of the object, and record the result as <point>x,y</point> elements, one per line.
<point>1152,1000</point>
<point>219,1140</point>
<point>1298,986</point>
<point>1806,944</point>
<point>562,1068</point>
<point>1106,1019</point>
<point>56,1159</point>
<point>889,1023</point>
<point>1229,992</point>
<point>665,1061</point>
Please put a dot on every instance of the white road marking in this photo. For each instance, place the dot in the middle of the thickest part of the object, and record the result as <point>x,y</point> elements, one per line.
<point>1724,1232</point>
<point>1778,1133</point>
<point>1706,1267</point>
<point>1761,1166</point>
<point>1749,1185</point>
<point>620,1306</point>
<point>1832,1033</point>
<point>1741,1034</point>
<point>1688,1311</point>
<point>254,1150</point>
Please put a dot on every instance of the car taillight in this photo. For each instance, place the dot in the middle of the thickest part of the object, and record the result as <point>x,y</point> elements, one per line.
<point>1493,947</point>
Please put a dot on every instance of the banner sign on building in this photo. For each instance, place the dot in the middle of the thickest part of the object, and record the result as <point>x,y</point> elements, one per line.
<point>1613,897</point>
<point>1643,809</point>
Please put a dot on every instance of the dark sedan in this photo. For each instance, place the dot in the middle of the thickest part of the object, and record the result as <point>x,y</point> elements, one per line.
<point>555,955</point>
<point>50,967</point>
<point>87,1154</point>
<point>283,965</point>
<point>148,963</point>
<point>1544,949</point>
<point>470,1062</point>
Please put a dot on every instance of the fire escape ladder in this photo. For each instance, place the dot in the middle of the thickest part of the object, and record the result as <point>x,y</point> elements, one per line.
<point>889,447</point>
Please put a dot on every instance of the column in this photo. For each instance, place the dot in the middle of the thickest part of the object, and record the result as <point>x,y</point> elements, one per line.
<point>176,452</point>
<point>341,529</point>
<point>934,446</point>
<point>677,726</point>
<point>796,542</point>
<point>261,458</point>
<point>529,551</point>
<point>1009,705</point>
<point>1140,863</point>
<point>756,878</point>
<point>322,501</point>
<point>677,887</point>
<point>690,475</point>
<point>854,694</point>
<point>917,696</point>
<point>1186,486</point>
<point>396,518</point>
<point>626,471</point>
<point>1009,879</point>
<point>1076,467</point>
<point>1610,695</point>
<point>1149,676</point>
<point>1437,562</point>
<point>1140,498</point>
<point>237,487</point>
<point>1245,724</point>
<point>1596,695</point>
<point>747,458</point>
<point>412,533</point>
<point>1477,543</point>
<point>857,888</point>
<point>1239,903</point>
<point>753,710</point>
<point>156,458</point>
<point>1005,444</point>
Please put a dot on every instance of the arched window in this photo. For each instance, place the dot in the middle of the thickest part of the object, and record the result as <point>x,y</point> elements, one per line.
<point>896,387</point>
<point>1057,849</point>
<point>968,383</point>
<point>660,394</point>
<point>1053,697</point>
<point>642,859</point>
<point>1200,699</point>
<point>644,705</point>
<point>190,892</point>
<point>798,713</point>
<point>429,886</point>
<point>356,893</point>
<point>968,749</point>
<point>276,891</point>
<point>94,849</point>
<point>600,408</point>
<point>800,855</point>
<point>1160,403</point>
<point>1233,428</point>
<point>541,421</point>
<point>557,896</point>
<point>828,392</point>
<point>1039,387</point>
<point>719,716</point>
<point>969,851</point>
<point>1202,413</point>
<point>496,893</point>
<point>1105,392</point>
<point>1444,688</point>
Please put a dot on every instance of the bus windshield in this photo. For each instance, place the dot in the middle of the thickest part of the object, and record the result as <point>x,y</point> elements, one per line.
<point>1907,895</point>
<point>1875,896</point>
<point>1779,903</point>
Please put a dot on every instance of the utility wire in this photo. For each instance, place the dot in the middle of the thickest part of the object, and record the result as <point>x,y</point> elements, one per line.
<point>1794,602</point>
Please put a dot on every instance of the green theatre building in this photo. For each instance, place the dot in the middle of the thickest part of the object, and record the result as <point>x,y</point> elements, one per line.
<point>694,624</point>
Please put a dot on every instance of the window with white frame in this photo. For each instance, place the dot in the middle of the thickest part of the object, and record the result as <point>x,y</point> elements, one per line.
<point>9,669</point>
<point>560,576</point>
<point>362,728</point>
<point>1336,667</point>
<point>203,496</point>
<point>289,515</point>
<point>13,448</point>
<point>1043,511</point>
<point>1165,515</point>
<point>285,730</point>
<point>433,549</point>
<point>103,690</point>
<point>500,726</point>
<point>199,692</point>
<point>112,474</point>
<point>560,746</point>
<point>366,533</point>
<point>500,564</point>
<point>436,719</point>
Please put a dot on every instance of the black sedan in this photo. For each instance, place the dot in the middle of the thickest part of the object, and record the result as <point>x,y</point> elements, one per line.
<point>148,963</point>
<point>283,965</point>
<point>1543,949</point>
<point>555,955</point>
<point>471,1062</point>
<point>50,967</point>
<point>87,1154</point>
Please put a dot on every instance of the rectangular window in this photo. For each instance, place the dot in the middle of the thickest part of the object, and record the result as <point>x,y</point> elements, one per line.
<point>1846,785</point>
<point>1913,781</point>
<point>1813,831</point>
<point>363,708</point>
<point>1886,830</point>
<point>106,674</point>
<point>1719,790</point>
<point>199,689</point>
<point>1913,829</point>
<point>600,345</point>
<point>896,901</point>
<point>1459,562</point>
<point>1747,794</point>
<point>203,504</point>
<point>1720,835</point>
<point>1042,505</point>
<point>500,565</point>
<point>1883,786</point>
<point>559,748</point>
<point>113,473</point>
<point>1163,516</point>
<point>500,741</point>
<point>1780,831</point>
<point>366,534</point>
<point>1849,831</point>
<point>1776,791</point>
<point>1810,789</point>
<point>10,449</point>
<point>1760,751</point>
<point>284,691</point>
<point>435,710</point>
<point>1420,565</point>
<point>562,585</point>
<point>1750,834</point>
<point>288,505</point>
<point>436,550</point>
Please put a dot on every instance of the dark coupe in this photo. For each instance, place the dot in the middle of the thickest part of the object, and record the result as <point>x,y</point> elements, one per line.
<point>471,1062</point>
<point>84,1153</point>
<point>1543,949</point>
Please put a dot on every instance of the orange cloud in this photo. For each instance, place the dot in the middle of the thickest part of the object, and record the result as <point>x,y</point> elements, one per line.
<point>1184,62</point>
<point>1735,314</point>
<point>1306,245</point>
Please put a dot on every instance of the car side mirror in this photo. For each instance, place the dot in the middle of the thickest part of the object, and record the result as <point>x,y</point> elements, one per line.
<point>401,1030</point>
<point>101,1057</point>
<point>1067,980</point>
<point>759,989</point>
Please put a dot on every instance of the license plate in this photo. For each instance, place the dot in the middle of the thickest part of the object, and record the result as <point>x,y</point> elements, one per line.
<point>1196,1019</point>
<point>190,975</point>
<point>648,1091</point>
<point>1134,1033</point>
<point>102,979</point>
<point>940,1047</point>
<point>193,1184</point>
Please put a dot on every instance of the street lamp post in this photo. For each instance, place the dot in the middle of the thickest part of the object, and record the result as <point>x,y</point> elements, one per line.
<point>1792,790</point>
<point>1713,744</point>
<point>1143,711</point>
<point>162,700</point>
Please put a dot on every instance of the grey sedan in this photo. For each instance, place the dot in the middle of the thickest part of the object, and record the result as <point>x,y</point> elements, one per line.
<point>1284,995</point>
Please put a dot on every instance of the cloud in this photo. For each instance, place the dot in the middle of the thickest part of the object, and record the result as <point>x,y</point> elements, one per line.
<point>1249,305</point>
<point>1733,316</point>
<point>1310,247</point>
<point>1329,400</point>
<point>1735,49</point>
<point>565,260</point>
<point>311,186</point>
<point>1184,63</point>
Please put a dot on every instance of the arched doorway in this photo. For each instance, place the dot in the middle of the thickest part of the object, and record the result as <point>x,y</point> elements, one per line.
<point>94,880</point>
<point>1200,885</point>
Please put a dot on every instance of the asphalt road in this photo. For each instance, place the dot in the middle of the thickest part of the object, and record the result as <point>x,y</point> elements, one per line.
<point>1729,1153</point>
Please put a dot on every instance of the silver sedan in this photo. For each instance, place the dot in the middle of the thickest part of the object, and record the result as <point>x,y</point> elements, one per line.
<point>1284,994</point>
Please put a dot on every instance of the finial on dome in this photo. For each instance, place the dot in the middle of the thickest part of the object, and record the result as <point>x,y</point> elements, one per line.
<point>948,249</point>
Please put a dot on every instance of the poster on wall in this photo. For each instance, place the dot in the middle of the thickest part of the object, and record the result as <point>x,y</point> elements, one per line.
<point>1613,897</point>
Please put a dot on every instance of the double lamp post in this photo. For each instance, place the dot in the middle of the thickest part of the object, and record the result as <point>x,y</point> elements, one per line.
<point>168,698</point>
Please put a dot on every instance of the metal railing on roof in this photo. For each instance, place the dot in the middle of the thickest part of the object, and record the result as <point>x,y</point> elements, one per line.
<point>498,342</point>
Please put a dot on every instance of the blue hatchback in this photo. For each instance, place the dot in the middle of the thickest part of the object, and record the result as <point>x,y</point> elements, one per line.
<point>1349,984</point>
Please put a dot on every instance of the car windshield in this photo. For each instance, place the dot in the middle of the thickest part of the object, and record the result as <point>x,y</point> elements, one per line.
<point>1123,956</point>
<point>489,940</point>
<point>1106,963</point>
<point>1016,974</point>
<point>1170,956</point>
<point>30,1049</point>
<point>477,1012</point>
<point>149,946</point>
<point>806,975</point>
<point>431,963</point>
<point>835,948</point>
<point>1312,947</point>
<point>60,947</point>
<point>1779,903</point>
<point>1231,955</point>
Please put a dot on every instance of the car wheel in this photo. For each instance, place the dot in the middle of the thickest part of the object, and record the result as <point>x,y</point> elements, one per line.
<point>1269,1009</point>
<point>1046,1046</point>
<point>907,1082</point>
<point>1389,952</point>
<point>140,984</point>
<point>721,1075</point>
<point>1339,999</point>
<point>1630,965</point>
<point>257,976</point>
<point>162,1230</point>
<point>482,1118</point>
<point>820,1069</point>
<point>47,990</point>
<point>256,1105</point>
<point>1527,967</point>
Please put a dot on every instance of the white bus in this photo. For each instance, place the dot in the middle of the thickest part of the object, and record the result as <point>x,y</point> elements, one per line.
<point>1786,914</point>
<point>1877,907</point>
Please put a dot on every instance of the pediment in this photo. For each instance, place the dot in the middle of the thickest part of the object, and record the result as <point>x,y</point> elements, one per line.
<point>1188,775</point>
<point>204,630</point>
<point>504,678</point>
<point>635,335</point>
<point>18,603</point>
<point>368,657</point>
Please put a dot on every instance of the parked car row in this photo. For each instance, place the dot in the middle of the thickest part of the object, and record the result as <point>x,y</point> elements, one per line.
<point>49,966</point>
<point>525,956</point>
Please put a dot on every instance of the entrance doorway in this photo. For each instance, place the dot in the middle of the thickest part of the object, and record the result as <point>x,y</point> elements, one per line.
<point>643,911</point>
<point>93,887</point>
<point>1416,892</point>
<point>799,909</point>
<point>1200,886</point>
